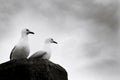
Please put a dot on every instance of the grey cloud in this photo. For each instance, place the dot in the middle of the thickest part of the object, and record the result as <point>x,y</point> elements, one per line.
<point>58,11</point>
<point>104,27</point>
<point>8,8</point>
<point>61,9</point>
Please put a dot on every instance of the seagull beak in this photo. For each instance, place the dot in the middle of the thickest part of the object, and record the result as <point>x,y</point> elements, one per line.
<point>55,42</point>
<point>31,32</point>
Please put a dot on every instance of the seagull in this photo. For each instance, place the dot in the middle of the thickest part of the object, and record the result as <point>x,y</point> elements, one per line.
<point>46,52</point>
<point>21,50</point>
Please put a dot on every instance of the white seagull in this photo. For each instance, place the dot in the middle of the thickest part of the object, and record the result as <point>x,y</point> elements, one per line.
<point>46,52</point>
<point>21,50</point>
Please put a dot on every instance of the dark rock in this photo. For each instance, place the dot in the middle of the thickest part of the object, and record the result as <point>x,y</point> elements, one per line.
<point>33,69</point>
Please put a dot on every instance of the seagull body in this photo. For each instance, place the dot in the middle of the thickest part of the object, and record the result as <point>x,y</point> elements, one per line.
<point>41,54</point>
<point>21,50</point>
<point>46,52</point>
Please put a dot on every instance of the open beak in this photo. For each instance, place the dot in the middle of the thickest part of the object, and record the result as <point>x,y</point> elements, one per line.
<point>55,42</point>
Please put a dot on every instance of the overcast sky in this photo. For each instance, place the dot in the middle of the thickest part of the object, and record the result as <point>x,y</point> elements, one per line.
<point>87,31</point>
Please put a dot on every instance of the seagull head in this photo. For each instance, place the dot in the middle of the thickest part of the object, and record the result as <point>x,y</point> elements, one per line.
<point>27,31</point>
<point>50,40</point>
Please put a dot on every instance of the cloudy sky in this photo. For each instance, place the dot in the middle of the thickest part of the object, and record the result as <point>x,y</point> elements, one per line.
<point>87,31</point>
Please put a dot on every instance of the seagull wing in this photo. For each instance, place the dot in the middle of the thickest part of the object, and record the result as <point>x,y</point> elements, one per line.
<point>38,54</point>
<point>12,52</point>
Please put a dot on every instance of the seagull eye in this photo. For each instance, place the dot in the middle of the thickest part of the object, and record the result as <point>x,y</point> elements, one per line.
<point>27,30</point>
<point>52,39</point>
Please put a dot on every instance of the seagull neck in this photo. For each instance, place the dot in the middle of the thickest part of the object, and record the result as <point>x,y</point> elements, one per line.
<point>24,37</point>
<point>47,47</point>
